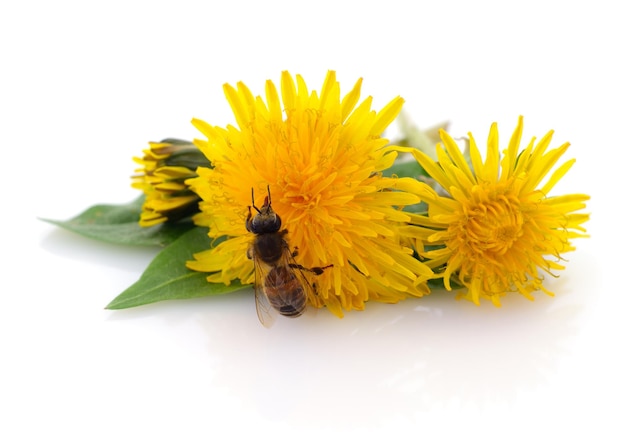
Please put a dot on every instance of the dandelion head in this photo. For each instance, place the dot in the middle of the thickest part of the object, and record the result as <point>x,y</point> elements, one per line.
<point>164,168</point>
<point>496,230</point>
<point>322,155</point>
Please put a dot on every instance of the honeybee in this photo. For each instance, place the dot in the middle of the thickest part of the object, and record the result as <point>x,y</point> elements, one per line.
<point>280,283</point>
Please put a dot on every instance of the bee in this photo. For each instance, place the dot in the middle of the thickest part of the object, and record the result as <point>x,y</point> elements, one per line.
<point>280,283</point>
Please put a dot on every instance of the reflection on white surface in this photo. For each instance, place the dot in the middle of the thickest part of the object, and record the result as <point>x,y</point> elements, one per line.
<point>400,359</point>
<point>388,362</point>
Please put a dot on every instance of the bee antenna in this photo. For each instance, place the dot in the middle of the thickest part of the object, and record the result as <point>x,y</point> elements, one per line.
<point>269,196</point>
<point>255,207</point>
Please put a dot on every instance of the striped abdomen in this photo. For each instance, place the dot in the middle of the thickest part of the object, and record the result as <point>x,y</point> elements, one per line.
<point>285,292</point>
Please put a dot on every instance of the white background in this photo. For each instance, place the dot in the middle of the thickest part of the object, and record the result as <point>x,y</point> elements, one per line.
<point>85,85</point>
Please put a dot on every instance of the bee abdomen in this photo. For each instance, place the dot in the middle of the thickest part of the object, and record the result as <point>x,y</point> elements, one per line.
<point>290,311</point>
<point>285,293</point>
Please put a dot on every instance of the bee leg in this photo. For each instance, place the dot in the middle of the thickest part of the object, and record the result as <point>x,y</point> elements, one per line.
<point>295,252</point>
<point>316,270</point>
<point>319,270</point>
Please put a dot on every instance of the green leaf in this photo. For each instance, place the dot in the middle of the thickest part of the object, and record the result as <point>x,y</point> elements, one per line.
<point>406,167</point>
<point>118,224</point>
<point>438,284</point>
<point>167,278</point>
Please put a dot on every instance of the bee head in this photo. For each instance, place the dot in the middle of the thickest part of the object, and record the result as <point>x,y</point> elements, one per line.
<point>265,220</point>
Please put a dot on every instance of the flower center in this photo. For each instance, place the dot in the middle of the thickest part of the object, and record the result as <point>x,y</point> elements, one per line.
<point>491,224</point>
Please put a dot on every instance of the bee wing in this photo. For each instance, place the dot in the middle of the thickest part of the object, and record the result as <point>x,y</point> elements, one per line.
<point>309,289</point>
<point>265,312</point>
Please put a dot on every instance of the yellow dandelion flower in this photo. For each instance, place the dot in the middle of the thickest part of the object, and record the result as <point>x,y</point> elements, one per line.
<point>498,228</point>
<point>322,156</point>
<point>165,167</point>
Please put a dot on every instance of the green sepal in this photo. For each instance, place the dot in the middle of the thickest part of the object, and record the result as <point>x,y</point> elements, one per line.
<point>187,155</point>
<point>119,224</point>
<point>167,277</point>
